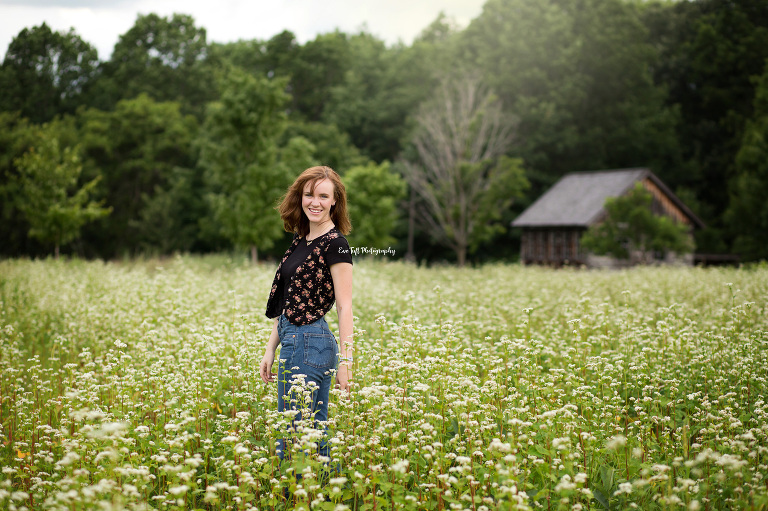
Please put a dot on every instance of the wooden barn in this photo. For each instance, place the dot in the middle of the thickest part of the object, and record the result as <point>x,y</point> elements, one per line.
<point>552,226</point>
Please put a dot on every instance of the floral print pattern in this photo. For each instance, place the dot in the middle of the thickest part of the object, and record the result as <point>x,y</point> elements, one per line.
<point>310,294</point>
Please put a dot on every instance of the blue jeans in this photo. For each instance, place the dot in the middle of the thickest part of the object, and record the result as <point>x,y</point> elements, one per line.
<point>308,353</point>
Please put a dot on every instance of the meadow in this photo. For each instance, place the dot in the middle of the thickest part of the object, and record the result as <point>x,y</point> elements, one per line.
<point>135,385</point>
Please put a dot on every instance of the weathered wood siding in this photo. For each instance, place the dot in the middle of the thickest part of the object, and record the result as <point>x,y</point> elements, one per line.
<point>663,205</point>
<point>551,246</point>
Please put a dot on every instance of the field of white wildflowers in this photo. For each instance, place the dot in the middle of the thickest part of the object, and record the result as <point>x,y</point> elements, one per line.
<point>135,386</point>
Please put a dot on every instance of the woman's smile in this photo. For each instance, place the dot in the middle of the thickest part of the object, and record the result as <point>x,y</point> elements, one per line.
<point>317,201</point>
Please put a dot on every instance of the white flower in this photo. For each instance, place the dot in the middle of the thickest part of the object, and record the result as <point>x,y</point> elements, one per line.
<point>113,427</point>
<point>401,466</point>
<point>623,488</point>
<point>499,446</point>
<point>565,484</point>
<point>68,459</point>
<point>178,490</point>
<point>616,441</point>
<point>19,495</point>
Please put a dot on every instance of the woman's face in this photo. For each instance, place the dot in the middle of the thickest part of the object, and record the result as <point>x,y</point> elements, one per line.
<point>317,204</point>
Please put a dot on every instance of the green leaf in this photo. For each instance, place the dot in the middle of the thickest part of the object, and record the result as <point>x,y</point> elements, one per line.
<point>601,498</point>
<point>606,476</point>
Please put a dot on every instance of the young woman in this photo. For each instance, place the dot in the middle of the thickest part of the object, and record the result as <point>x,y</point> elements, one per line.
<point>315,271</point>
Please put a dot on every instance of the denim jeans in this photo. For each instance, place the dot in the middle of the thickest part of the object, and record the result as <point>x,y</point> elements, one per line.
<point>308,353</point>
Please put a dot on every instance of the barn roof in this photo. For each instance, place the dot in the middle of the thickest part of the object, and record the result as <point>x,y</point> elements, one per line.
<point>577,199</point>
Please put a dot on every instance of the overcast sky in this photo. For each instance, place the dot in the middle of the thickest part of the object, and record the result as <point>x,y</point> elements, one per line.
<point>100,22</point>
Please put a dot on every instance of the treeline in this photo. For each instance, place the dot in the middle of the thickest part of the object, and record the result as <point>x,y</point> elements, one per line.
<point>178,144</point>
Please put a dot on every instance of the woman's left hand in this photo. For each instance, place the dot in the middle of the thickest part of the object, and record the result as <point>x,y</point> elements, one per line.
<point>344,377</point>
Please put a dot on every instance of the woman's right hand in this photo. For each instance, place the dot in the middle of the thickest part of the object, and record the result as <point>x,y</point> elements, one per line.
<point>265,367</point>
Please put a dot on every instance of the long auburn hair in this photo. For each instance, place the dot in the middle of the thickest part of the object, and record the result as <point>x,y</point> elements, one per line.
<point>294,219</point>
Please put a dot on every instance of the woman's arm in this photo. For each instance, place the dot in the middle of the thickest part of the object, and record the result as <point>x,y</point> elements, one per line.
<point>342,286</point>
<point>265,367</point>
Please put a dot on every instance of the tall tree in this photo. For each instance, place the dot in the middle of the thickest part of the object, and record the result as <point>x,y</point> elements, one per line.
<point>374,192</point>
<point>332,146</point>
<point>45,73</point>
<point>249,55</point>
<point>239,156</point>
<point>168,220</point>
<point>272,58</point>
<point>712,55</point>
<point>382,87</point>
<point>577,75</point>
<point>460,174</point>
<point>165,58</point>
<point>316,67</point>
<point>17,135</point>
<point>52,199</point>
<point>747,214</point>
<point>137,149</point>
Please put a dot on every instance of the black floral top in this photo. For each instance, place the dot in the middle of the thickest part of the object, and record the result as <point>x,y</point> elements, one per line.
<point>308,294</point>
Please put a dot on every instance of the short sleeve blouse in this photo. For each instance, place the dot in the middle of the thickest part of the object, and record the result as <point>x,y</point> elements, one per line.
<point>337,251</point>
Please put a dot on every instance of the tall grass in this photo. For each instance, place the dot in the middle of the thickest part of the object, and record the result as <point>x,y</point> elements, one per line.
<point>135,386</point>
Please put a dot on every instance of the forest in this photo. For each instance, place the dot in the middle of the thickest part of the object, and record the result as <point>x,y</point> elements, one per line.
<point>177,144</point>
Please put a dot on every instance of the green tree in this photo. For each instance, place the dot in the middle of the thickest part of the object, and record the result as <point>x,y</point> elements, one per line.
<point>332,146</point>
<point>577,74</point>
<point>54,203</point>
<point>46,73</point>
<point>165,58</point>
<point>248,55</point>
<point>17,135</point>
<point>139,149</point>
<point>747,214</point>
<point>238,155</point>
<point>382,88</point>
<point>459,173</point>
<point>374,192</point>
<point>353,82</point>
<point>630,227</point>
<point>168,220</point>
<point>314,69</point>
<point>271,59</point>
<point>712,54</point>
<point>365,103</point>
